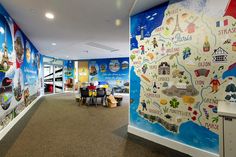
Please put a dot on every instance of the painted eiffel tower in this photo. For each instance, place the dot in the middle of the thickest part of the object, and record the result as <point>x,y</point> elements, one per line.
<point>177,27</point>
<point>5,43</point>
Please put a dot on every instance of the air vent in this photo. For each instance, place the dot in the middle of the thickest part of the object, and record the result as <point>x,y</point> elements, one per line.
<point>100,46</point>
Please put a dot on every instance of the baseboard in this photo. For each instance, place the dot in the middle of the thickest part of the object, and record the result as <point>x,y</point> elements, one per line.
<point>70,91</point>
<point>9,126</point>
<point>46,95</point>
<point>195,152</point>
<point>122,94</point>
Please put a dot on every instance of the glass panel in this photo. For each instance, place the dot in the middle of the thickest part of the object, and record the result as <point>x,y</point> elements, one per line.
<point>48,79</point>
<point>58,79</point>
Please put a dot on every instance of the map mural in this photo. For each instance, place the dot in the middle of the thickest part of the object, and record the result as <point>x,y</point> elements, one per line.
<point>20,70</point>
<point>183,61</point>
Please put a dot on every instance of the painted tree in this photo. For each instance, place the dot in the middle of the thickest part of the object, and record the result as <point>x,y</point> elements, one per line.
<point>132,57</point>
<point>174,103</point>
<point>215,119</point>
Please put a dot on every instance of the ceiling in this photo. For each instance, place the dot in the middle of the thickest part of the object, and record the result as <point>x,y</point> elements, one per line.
<point>82,29</point>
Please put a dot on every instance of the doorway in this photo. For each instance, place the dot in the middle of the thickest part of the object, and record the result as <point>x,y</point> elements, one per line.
<point>58,78</point>
<point>48,79</point>
<point>53,79</point>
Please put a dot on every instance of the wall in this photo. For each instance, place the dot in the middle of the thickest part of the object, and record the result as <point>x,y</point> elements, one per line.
<point>20,70</point>
<point>114,71</point>
<point>182,57</point>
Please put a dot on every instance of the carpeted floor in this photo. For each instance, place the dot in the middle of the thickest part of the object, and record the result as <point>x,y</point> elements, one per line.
<point>57,127</point>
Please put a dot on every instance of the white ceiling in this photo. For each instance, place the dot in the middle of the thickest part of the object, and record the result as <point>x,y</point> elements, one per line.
<point>77,23</point>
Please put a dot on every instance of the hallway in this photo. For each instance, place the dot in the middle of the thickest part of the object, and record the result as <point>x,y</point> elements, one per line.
<point>57,127</point>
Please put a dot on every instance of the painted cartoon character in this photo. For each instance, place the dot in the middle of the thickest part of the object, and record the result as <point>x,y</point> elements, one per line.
<point>144,105</point>
<point>154,42</point>
<point>215,84</point>
<point>19,49</point>
<point>142,49</point>
<point>103,68</point>
<point>26,96</point>
<point>144,68</point>
<point>93,70</point>
<point>186,53</point>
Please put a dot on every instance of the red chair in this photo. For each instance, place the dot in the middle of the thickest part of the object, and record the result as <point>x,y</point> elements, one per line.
<point>91,87</point>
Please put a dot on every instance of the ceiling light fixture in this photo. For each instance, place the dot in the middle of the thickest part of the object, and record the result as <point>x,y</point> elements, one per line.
<point>118,4</point>
<point>54,44</point>
<point>49,15</point>
<point>118,22</point>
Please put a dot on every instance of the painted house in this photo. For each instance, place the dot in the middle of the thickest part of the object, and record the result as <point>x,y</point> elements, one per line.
<point>220,55</point>
<point>164,69</point>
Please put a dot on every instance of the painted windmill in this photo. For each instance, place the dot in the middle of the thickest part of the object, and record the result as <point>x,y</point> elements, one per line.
<point>230,9</point>
<point>141,29</point>
<point>191,26</point>
<point>177,27</point>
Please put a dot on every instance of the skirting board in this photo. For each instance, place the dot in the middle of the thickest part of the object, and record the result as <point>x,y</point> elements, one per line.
<point>9,126</point>
<point>194,152</point>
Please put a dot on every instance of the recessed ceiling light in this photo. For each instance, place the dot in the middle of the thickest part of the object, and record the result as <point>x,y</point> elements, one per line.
<point>118,22</point>
<point>54,44</point>
<point>49,15</point>
<point>67,56</point>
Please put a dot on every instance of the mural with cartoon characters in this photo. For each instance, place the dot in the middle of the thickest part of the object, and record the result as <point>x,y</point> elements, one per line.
<point>183,61</point>
<point>68,75</point>
<point>20,70</point>
<point>114,71</point>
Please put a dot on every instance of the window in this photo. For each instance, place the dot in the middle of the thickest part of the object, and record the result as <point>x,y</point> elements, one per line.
<point>220,58</point>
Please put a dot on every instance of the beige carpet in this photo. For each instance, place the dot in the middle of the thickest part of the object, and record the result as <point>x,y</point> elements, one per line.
<point>58,127</point>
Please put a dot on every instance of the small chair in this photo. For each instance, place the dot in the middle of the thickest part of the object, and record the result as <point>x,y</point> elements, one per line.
<point>84,94</point>
<point>101,93</point>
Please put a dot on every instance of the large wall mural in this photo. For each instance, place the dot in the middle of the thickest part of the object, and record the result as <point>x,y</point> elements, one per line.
<point>182,63</point>
<point>68,74</point>
<point>114,71</point>
<point>20,70</point>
